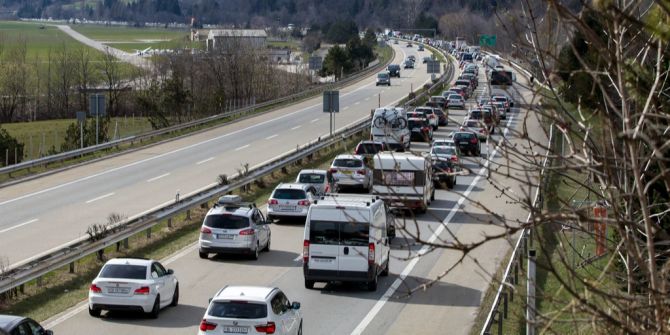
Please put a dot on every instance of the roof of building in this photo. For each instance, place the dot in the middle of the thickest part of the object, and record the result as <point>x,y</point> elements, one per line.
<point>238,33</point>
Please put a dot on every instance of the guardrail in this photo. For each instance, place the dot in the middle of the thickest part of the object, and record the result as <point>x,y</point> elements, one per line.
<point>240,111</point>
<point>40,265</point>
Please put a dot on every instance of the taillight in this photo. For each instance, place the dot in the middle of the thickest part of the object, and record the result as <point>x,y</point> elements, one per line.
<point>473,140</point>
<point>303,203</point>
<point>371,253</point>
<point>462,128</point>
<point>205,230</point>
<point>305,251</point>
<point>247,232</point>
<point>205,326</point>
<point>95,289</point>
<point>144,290</point>
<point>402,138</point>
<point>360,171</point>
<point>273,202</point>
<point>268,328</point>
<point>332,170</point>
<point>449,170</point>
<point>454,158</point>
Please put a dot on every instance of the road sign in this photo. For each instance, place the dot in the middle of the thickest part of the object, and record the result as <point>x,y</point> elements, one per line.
<point>489,40</point>
<point>331,101</point>
<point>315,63</point>
<point>81,117</point>
<point>96,106</point>
<point>433,66</point>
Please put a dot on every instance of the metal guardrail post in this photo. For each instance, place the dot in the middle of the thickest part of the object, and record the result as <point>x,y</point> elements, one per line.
<point>499,318</point>
<point>504,295</point>
<point>530,300</point>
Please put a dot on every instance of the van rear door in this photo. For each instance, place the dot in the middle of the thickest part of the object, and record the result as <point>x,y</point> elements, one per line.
<point>324,240</point>
<point>354,241</point>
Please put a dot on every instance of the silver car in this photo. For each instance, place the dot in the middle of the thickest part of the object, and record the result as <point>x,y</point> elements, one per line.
<point>455,101</point>
<point>234,227</point>
<point>320,179</point>
<point>290,200</point>
<point>349,171</point>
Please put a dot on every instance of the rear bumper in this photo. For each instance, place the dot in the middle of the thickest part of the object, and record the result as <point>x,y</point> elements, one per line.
<point>333,275</point>
<point>226,250</point>
<point>139,303</point>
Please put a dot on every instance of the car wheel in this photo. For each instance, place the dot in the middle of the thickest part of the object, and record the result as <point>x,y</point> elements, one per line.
<point>256,251</point>
<point>385,272</point>
<point>156,309</point>
<point>450,184</point>
<point>203,255</point>
<point>309,284</point>
<point>175,297</point>
<point>372,285</point>
<point>267,246</point>
<point>435,127</point>
<point>94,312</point>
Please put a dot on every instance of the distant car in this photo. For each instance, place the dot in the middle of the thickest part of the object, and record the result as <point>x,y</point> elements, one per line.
<point>430,115</point>
<point>350,171</point>
<point>467,142</point>
<point>409,44</point>
<point>369,148</point>
<point>420,48</point>
<point>440,100</point>
<point>290,200</point>
<point>420,129</point>
<point>395,41</point>
<point>133,284</point>
<point>476,126</point>
<point>502,109</point>
<point>442,117</point>
<point>427,59</point>
<point>383,78</point>
<point>393,70</point>
<point>251,310</point>
<point>412,57</point>
<point>455,101</point>
<point>319,179</point>
<point>234,227</point>
<point>19,325</point>
<point>444,172</point>
<point>409,64</point>
<point>450,153</point>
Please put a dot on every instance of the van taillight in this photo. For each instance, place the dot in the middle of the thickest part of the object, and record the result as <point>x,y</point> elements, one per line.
<point>305,251</point>
<point>371,253</point>
<point>205,230</point>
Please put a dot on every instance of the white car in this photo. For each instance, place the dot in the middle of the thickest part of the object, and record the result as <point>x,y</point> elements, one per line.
<point>290,200</point>
<point>251,310</point>
<point>455,101</point>
<point>444,143</point>
<point>430,115</point>
<point>351,171</point>
<point>320,179</point>
<point>132,284</point>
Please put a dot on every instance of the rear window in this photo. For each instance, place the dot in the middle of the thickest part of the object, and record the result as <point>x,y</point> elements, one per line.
<point>355,233</point>
<point>226,221</point>
<point>416,123</point>
<point>394,67</point>
<point>475,114</point>
<point>454,97</point>
<point>368,148</point>
<point>238,310</point>
<point>472,124</point>
<point>289,194</point>
<point>348,163</point>
<point>123,271</point>
<point>463,82</point>
<point>336,232</point>
<point>311,178</point>
<point>467,57</point>
<point>383,75</point>
<point>460,136</point>
<point>444,151</point>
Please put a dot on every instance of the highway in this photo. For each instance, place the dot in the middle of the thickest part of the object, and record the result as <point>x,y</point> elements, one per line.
<point>447,307</point>
<point>58,208</point>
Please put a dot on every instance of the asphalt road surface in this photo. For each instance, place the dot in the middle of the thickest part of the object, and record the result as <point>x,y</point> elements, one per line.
<point>448,306</point>
<point>45,213</point>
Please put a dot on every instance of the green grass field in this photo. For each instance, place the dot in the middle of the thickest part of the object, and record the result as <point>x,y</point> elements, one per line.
<point>38,40</point>
<point>130,39</point>
<point>38,137</point>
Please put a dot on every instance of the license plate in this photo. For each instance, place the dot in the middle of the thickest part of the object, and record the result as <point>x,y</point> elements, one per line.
<point>225,236</point>
<point>235,330</point>
<point>463,143</point>
<point>286,208</point>
<point>118,290</point>
<point>346,172</point>
<point>322,260</point>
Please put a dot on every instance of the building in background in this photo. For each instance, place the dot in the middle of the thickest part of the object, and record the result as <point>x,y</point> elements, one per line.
<point>225,39</point>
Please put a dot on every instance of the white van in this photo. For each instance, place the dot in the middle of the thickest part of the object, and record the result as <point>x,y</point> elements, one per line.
<point>404,180</point>
<point>346,240</point>
<point>389,125</point>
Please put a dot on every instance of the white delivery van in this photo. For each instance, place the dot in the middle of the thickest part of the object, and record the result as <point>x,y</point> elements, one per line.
<point>404,180</point>
<point>346,240</point>
<point>389,125</point>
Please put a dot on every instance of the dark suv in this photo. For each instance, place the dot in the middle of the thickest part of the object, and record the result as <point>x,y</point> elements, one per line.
<point>394,70</point>
<point>444,172</point>
<point>468,142</point>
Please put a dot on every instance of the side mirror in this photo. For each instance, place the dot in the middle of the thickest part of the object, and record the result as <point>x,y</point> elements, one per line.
<point>295,305</point>
<point>170,271</point>
<point>48,332</point>
<point>209,301</point>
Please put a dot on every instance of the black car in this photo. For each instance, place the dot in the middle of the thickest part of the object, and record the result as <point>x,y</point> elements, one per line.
<point>394,70</point>
<point>12,324</point>
<point>369,148</point>
<point>420,129</point>
<point>444,172</point>
<point>409,64</point>
<point>468,142</point>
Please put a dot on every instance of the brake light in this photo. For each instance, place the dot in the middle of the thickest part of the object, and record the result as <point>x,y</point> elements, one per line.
<point>303,203</point>
<point>268,328</point>
<point>371,253</point>
<point>95,289</point>
<point>273,202</point>
<point>247,232</point>
<point>205,326</point>
<point>144,290</point>
<point>332,170</point>
<point>473,140</point>
<point>360,172</point>
<point>205,230</point>
<point>454,158</point>
<point>462,128</point>
<point>305,251</point>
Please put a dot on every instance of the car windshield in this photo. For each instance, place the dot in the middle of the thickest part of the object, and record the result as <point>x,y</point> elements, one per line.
<point>368,148</point>
<point>289,194</point>
<point>444,151</point>
<point>238,310</point>
<point>311,178</point>
<point>226,221</point>
<point>348,163</point>
<point>124,271</point>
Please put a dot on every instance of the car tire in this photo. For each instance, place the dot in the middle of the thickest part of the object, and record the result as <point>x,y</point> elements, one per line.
<point>271,218</point>
<point>175,297</point>
<point>156,309</point>
<point>94,312</point>
<point>450,184</point>
<point>203,255</point>
<point>385,272</point>
<point>432,195</point>
<point>267,246</point>
<point>254,254</point>
<point>309,284</point>
<point>372,285</point>
<point>435,127</point>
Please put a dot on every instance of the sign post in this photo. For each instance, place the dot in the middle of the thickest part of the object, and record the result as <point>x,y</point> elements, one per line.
<point>97,108</point>
<point>331,105</point>
<point>81,117</point>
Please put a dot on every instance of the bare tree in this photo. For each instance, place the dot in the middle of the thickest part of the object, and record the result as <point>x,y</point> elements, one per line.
<point>13,80</point>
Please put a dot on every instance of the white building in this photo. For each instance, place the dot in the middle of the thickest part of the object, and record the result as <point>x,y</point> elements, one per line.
<point>223,39</point>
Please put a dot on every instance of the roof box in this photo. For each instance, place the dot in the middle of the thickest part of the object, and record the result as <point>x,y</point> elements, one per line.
<point>228,200</point>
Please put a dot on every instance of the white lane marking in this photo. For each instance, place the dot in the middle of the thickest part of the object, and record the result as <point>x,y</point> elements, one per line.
<point>357,103</point>
<point>408,269</point>
<point>296,127</point>
<point>204,161</point>
<point>368,98</point>
<point>158,177</point>
<point>271,137</point>
<point>314,120</point>
<point>18,225</point>
<point>100,197</point>
<point>242,147</point>
<point>345,108</point>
